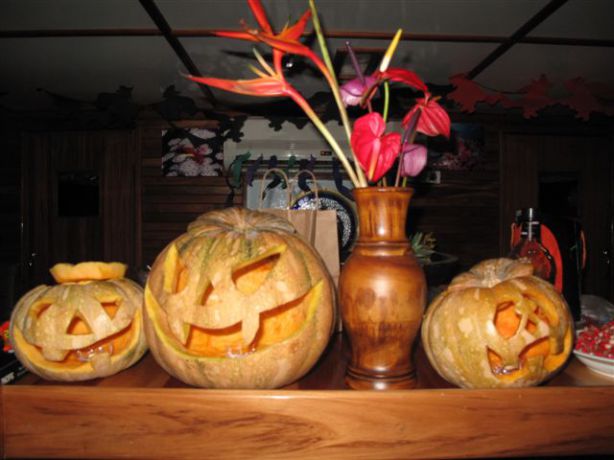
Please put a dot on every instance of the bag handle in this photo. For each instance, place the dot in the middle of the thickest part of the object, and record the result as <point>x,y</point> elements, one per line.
<point>284,176</point>
<point>315,185</point>
<point>290,184</point>
<point>311,213</point>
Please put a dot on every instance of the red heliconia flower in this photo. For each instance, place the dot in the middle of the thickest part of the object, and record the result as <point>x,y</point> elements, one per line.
<point>287,41</point>
<point>433,120</point>
<point>413,159</point>
<point>375,150</point>
<point>267,86</point>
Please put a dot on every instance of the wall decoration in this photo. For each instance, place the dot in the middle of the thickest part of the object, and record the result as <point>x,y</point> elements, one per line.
<point>115,110</point>
<point>579,95</point>
<point>192,152</point>
<point>175,106</point>
<point>461,152</point>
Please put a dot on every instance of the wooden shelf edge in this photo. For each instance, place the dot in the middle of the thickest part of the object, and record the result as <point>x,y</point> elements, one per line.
<point>116,422</point>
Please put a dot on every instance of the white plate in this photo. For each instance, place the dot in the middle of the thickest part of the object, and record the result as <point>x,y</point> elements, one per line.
<point>598,364</point>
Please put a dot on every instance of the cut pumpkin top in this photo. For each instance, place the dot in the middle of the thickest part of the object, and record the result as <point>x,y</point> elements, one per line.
<point>87,271</point>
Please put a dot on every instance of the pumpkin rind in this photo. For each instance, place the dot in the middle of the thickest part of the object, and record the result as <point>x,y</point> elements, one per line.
<point>194,288</point>
<point>498,326</point>
<point>41,325</point>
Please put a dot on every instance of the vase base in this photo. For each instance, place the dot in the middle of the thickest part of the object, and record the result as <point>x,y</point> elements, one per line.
<point>365,382</point>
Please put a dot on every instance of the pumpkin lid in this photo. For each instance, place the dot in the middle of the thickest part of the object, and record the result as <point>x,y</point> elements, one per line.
<point>87,271</point>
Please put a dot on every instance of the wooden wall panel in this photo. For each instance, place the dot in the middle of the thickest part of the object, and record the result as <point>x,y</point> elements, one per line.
<point>462,211</point>
<point>10,198</point>
<point>10,221</point>
<point>169,204</point>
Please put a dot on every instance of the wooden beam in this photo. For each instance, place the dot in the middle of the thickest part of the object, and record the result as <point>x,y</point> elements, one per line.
<point>340,34</point>
<point>160,21</point>
<point>543,14</point>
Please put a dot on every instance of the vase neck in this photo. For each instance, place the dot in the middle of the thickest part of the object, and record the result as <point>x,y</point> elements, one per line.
<point>382,213</point>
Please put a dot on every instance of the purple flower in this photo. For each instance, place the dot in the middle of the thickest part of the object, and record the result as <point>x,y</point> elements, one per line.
<point>354,90</point>
<point>413,159</point>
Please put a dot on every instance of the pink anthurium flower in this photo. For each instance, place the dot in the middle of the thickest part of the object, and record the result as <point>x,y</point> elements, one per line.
<point>353,91</point>
<point>433,120</point>
<point>375,150</point>
<point>413,159</point>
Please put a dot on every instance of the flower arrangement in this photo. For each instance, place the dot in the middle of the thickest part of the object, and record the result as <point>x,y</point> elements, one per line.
<point>374,150</point>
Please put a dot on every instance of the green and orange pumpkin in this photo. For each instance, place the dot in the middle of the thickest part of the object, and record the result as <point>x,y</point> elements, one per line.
<point>498,326</point>
<point>89,325</point>
<point>238,301</point>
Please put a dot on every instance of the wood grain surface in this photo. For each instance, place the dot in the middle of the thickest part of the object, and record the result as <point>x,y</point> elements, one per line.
<point>144,413</point>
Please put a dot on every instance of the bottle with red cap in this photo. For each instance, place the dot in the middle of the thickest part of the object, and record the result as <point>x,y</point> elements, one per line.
<point>529,245</point>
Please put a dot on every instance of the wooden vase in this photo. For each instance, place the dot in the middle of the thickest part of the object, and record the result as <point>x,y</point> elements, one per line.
<point>382,292</point>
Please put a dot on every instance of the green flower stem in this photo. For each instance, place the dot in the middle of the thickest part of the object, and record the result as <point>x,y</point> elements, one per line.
<point>304,105</point>
<point>386,100</point>
<point>334,86</point>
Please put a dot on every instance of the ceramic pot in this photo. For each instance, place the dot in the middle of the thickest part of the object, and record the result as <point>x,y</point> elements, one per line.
<point>382,292</point>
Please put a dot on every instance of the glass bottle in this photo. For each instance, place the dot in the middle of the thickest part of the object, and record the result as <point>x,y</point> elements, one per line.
<point>529,245</point>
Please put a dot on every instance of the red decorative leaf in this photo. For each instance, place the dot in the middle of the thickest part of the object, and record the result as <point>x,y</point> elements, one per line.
<point>467,93</point>
<point>534,99</point>
<point>581,98</point>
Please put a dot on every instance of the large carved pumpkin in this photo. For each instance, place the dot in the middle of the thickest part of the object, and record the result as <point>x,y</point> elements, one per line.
<point>498,326</point>
<point>239,301</point>
<point>89,325</point>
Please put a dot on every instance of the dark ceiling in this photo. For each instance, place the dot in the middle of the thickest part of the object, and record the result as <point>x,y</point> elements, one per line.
<point>77,49</point>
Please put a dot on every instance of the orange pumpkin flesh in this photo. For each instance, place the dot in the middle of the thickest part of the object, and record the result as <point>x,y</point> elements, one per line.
<point>46,348</point>
<point>239,301</point>
<point>498,326</point>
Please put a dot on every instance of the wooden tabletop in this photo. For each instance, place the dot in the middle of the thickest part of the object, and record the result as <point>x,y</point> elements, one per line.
<point>145,413</point>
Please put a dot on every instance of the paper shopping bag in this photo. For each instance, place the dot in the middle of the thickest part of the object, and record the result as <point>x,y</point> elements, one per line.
<point>317,226</point>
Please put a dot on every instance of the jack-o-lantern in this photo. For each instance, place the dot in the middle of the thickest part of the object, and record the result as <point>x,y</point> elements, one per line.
<point>89,325</point>
<point>239,301</point>
<point>498,326</point>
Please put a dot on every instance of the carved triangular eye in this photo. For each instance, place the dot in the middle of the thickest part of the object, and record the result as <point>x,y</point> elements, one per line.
<point>249,277</point>
<point>111,307</point>
<point>78,326</point>
<point>507,320</point>
<point>175,272</point>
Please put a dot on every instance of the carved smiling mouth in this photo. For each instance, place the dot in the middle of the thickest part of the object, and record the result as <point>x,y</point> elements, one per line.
<point>240,310</point>
<point>531,328</point>
<point>275,326</point>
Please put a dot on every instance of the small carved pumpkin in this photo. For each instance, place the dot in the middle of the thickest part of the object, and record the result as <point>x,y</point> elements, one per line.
<point>239,301</point>
<point>498,326</point>
<point>89,325</point>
